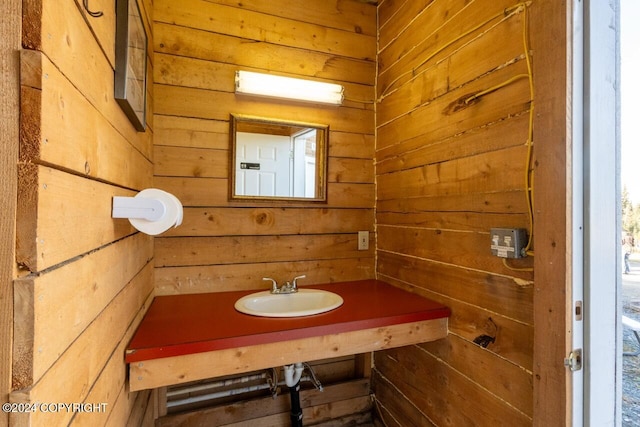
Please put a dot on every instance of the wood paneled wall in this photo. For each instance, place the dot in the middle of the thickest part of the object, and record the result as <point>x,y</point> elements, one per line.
<point>452,125</point>
<point>453,115</point>
<point>223,245</point>
<point>85,279</point>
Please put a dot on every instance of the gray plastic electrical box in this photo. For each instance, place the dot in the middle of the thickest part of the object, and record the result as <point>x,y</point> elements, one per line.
<point>508,242</point>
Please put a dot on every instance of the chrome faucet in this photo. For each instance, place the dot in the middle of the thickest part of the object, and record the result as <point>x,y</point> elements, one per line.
<point>274,285</point>
<point>287,288</point>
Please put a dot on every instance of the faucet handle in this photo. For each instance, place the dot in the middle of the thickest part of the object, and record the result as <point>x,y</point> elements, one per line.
<point>274,284</point>
<point>295,279</point>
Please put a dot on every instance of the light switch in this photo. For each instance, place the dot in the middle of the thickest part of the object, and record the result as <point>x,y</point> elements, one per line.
<point>363,240</point>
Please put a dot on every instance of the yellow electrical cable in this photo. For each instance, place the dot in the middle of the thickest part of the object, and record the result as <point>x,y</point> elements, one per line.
<point>496,87</point>
<point>504,261</point>
<point>528,172</point>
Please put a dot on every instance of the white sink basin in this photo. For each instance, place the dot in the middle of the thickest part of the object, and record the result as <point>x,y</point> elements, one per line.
<point>305,302</point>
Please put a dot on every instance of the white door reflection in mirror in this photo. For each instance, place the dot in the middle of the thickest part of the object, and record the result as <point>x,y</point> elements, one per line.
<point>263,165</point>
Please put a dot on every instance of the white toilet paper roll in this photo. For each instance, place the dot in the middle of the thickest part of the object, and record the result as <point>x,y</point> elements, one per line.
<point>171,218</point>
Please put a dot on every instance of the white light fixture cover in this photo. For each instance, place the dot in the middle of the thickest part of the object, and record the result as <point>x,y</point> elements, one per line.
<point>272,86</point>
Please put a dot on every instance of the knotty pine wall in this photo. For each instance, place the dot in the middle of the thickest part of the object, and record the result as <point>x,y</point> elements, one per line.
<point>223,245</point>
<point>448,168</point>
<point>445,174</point>
<point>85,279</point>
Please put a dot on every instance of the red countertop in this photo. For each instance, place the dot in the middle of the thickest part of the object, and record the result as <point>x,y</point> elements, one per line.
<point>185,324</point>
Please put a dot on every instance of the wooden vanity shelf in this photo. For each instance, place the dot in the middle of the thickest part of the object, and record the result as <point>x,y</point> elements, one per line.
<point>185,338</point>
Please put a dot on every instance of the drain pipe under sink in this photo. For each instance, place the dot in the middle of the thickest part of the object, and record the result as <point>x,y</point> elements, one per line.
<point>292,375</point>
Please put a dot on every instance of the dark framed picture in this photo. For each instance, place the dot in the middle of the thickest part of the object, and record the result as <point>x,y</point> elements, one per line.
<point>131,63</point>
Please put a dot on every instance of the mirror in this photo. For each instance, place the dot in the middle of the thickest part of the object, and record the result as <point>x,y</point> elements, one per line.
<point>277,160</point>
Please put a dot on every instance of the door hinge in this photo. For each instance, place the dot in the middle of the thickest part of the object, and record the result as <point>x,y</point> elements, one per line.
<point>574,361</point>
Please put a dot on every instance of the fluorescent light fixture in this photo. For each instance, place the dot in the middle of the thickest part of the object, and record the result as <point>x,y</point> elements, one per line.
<point>288,88</point>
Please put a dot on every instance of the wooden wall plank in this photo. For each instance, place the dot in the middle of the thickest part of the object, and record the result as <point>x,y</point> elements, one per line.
<point>205,74</point>
<point>103,28</point>
<point>431,383</point>
<point>67,46</point>
<point>66,300</point>
<point>487,172</point>
<point>261,221</point>
<point>390,402</point>
<point>52,134</point>
<point>464,221</point>
<point>499,202</point>
<point>218,278</point>
<point>513,339</point>
<point>186,251</point>
<point>201,192</point>
<point>10,44</point>
<point>354,145</point>
<point>190,102</point>
<point>182,369</point>
<point>87,356</point>
<point>509,296</point>
<point>191,162</point>
<point>350,170</point>
<point>200,44</point>
<point>451,109</point>
<point>401,12</point>
<point>83,221</point>
<point>143,414</point>
<point>214,134</point>
<point>342,14</point>
<point>111,386</point>
<point>434,35</point>
<point>191,132</point>
<point>269,28</point>
<point>398,42</point>
<point>141,407</point>
<point>503,378</point>
<point>460,248</point>
<point>424,149</point>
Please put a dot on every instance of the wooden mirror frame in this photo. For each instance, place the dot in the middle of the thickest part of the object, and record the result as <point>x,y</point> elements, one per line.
<point>239,122</point>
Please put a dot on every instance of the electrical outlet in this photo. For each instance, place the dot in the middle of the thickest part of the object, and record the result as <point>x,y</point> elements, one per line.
<point>363,240</point>
<point>508,242</point>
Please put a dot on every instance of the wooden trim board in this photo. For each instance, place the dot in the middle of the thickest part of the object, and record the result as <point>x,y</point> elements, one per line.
<point>10,44</point>
<point>181,369</point>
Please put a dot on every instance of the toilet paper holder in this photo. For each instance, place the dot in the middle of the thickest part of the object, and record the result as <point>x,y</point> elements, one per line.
<point>152,211</point>
<point>138,208</point>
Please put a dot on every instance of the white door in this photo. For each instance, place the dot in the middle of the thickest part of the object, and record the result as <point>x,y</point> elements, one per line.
<point>263,165</point>
<point>597,276</point>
